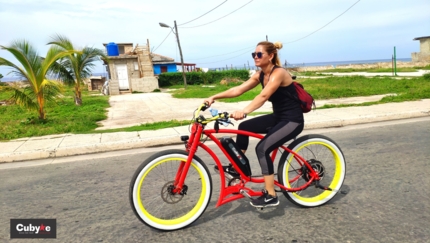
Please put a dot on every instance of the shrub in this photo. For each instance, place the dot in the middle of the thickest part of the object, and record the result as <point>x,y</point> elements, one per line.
<point>196,78</point>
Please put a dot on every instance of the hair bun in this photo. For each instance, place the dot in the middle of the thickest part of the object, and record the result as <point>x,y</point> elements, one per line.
<point>278,45</point>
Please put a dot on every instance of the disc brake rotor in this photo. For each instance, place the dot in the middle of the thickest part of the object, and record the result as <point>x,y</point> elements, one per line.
<point>169,196</point>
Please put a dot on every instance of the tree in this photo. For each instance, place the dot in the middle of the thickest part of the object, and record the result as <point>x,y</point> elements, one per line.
<point>35,70</point>
<point>76,67</point>
<point>1,76</point>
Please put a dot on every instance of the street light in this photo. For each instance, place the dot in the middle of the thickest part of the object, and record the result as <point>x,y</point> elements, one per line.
<point>180,50</point>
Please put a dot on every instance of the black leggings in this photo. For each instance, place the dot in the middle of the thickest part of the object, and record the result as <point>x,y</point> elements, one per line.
<point>278,133</point>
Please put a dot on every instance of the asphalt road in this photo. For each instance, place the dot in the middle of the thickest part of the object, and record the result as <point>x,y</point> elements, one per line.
<point>387,197</point>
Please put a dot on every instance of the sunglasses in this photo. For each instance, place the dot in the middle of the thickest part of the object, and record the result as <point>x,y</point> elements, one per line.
<point>258,54</point>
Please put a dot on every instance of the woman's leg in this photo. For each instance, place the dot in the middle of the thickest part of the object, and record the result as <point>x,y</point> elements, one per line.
<point>259,124</point>
<point>277,136</point>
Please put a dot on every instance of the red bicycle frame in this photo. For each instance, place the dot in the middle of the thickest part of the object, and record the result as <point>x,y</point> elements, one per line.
<point>233,192</point>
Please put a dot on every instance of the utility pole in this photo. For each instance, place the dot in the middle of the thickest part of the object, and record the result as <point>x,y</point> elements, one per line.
<point>395,68</point>
<point>182,58</point>
<point>180,49</point>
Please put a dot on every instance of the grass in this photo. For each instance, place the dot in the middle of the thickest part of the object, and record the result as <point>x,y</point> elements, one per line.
<point>407,89</point>
<point>332,87</point>
<point>147,126</point>
<point>64,117</point>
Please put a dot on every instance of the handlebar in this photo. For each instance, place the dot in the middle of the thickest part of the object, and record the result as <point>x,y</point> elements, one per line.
<point>222,117</point>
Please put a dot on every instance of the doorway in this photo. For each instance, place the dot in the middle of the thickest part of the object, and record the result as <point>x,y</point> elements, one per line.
<point>121,70</point>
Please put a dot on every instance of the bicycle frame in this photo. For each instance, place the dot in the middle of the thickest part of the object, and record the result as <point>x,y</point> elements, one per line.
<point>233,192</point>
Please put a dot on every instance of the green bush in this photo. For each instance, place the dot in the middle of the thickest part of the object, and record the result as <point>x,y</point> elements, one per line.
<point>197,78</point>
<point>426,76</point>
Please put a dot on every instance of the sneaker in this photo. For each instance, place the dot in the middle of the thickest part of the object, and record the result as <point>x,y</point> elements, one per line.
<point>266,200</point>
<point>228,169</point>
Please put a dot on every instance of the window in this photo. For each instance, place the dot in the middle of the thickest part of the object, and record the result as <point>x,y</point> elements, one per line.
<point>121,49</point>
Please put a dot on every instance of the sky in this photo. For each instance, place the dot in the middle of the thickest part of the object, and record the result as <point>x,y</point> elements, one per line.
<point>222,33</point>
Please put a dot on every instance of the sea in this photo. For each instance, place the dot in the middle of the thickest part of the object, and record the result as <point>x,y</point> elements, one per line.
<point>334,63</point>
<point>305,64</point>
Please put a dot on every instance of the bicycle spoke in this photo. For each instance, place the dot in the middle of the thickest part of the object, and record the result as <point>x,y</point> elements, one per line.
<point>324,158</point>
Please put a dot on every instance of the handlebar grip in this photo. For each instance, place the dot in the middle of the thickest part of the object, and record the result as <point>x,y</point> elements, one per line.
<point>244,116</point>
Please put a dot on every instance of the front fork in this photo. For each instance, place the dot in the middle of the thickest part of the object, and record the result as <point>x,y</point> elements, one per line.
<point>191,147</point>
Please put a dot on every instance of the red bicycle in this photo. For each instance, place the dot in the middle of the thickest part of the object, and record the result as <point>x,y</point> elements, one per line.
<point>172,189</point>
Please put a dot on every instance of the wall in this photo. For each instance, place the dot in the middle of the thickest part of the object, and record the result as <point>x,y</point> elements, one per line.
<point>145,84</point>
<point>131,72</point>
<point>420,57</point>
<point>171,67</point>
<point>424,54</point>
<point>425,45</point>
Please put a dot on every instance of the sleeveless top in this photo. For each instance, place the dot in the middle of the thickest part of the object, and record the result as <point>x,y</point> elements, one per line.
<point>285,108</point>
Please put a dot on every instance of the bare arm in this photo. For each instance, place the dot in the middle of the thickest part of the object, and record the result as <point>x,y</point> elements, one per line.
<point>235,91</point>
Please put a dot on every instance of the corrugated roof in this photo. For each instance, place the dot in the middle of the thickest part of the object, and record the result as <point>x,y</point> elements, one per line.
<point>161,58</point>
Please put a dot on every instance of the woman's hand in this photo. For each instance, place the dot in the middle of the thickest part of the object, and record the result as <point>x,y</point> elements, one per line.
<point>238,115</point>
<point>209,101</point>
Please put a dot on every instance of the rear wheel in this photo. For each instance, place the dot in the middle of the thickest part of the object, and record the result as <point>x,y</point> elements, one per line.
<point>325,157</point>
<point>152,194</point>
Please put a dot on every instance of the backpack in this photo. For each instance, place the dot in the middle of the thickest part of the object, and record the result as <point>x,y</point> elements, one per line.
<point>304,98</point>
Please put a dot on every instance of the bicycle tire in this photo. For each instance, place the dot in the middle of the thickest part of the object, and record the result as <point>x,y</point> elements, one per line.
<point>155,206</point>
<point>324,155</point>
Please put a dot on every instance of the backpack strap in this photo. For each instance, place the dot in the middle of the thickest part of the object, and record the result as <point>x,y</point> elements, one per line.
<point>262,75</point>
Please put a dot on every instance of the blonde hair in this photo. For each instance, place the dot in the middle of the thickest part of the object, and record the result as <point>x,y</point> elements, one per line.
<point>272,48</point>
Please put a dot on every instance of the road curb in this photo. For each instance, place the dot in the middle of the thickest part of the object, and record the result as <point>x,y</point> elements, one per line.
<point>172,137</point>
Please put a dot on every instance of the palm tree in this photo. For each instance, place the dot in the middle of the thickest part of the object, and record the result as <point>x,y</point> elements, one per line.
<point>76,67</point>
<point>34,70</point>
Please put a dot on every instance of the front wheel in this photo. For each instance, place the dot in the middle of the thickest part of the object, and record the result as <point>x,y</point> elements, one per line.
<point>325,157</point>
<point>152,195</point>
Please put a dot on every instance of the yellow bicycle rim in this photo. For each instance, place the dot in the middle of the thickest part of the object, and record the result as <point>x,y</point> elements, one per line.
<point>183,218</point>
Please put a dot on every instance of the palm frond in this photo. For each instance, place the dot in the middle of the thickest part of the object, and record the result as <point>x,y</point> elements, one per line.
<point>62,41</point>
<point>26,56</point>
<point>61,70</point>
<point>17,71</point>
<point>51,89</point>
<point>26,99</point>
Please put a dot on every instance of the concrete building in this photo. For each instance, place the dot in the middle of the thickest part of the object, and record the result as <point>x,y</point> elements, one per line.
<point>163,64</point>
<point>130,68</point>
<point>424,54</point>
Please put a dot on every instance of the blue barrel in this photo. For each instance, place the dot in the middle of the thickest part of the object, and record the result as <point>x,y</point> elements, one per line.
<point>112,49</point>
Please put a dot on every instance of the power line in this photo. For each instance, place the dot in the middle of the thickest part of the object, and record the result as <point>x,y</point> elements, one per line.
<point>324,25</point>
<point>221,17</point>
<point>222,54</point>
<point>203,14</point>
<point>162,41</point>
<point>286,42</point>
<point>247,51</point>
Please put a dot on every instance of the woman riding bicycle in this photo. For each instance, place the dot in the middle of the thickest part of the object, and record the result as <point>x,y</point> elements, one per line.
<point>285,123</point>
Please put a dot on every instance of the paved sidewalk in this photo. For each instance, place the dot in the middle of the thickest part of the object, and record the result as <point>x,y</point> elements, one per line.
<point>135,109</point>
